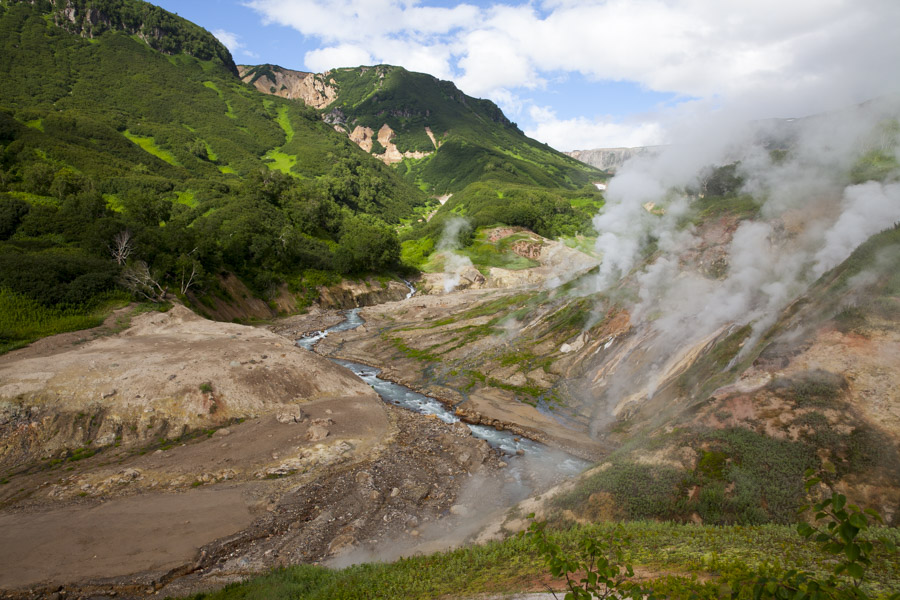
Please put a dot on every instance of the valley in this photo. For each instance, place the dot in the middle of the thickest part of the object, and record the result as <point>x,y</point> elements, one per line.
<point>269,333</point>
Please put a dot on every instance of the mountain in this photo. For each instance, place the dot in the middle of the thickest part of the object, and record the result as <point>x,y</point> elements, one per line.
<point>120,121</point>
<point>610,159</point>
<point>440,138</point>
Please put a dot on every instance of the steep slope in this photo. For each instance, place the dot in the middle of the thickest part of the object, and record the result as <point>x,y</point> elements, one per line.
<point>729,339</point>
<point>130,149</point>
<point>441,138</point>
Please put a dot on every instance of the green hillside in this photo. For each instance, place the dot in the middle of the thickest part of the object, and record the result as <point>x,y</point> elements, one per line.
<point>495,173</point>
<point>476,142</point>
<point>473,140</point>
<point>102,132</point>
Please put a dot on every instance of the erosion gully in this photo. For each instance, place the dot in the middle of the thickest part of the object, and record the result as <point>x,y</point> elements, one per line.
<point>530,462</point>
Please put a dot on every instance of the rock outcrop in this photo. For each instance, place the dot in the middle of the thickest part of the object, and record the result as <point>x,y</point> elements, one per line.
<point>313,89</point>
<point>610,159</point>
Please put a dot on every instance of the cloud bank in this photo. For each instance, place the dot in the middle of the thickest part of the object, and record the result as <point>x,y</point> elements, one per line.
<point>768,58</point>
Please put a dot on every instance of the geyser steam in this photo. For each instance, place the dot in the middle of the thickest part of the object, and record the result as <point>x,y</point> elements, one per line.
<point>812,216</point>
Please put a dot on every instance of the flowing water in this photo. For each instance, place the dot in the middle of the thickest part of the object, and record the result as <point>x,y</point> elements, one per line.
<point>528,459</point>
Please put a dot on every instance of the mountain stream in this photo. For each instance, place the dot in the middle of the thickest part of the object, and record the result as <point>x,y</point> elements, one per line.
<point>532,464</point>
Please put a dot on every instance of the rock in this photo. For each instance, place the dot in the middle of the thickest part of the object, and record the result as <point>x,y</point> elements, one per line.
<point>322,422</point>
<point>223,432</point>
<point>460,510</point>
<point>520,452</point>
<point>418,491</point>
<point>341,542</point>
<point>131,473</point>
<point>395,492</point>
<point>316,433</point>
<point>290,415</point>
<point>234,363</point>
<point>502,464</point>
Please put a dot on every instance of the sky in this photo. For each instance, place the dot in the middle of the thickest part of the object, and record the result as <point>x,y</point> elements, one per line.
<point>581,74</point>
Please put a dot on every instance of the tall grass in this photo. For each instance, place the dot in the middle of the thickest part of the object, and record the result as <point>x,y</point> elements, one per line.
<point>23,320</point>
<point>727,554</point>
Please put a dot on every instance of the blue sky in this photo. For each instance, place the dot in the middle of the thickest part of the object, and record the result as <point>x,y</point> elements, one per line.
<point>589,73</point>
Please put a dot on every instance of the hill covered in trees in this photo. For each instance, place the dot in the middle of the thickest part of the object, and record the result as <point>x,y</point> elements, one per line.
<point>131,152</point>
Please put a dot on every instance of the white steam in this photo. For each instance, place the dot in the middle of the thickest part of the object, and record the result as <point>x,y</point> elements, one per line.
<point>810,221</point>
<point>454,263</point>
<point>867,209</point>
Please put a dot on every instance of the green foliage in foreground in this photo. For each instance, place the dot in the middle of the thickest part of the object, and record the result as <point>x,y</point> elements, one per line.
<point>23,320</point>
<point>597,569</point>
<point>728,554</point>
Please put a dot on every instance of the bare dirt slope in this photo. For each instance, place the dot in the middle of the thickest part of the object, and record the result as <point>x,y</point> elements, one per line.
<point>181,454</point>
<point>167,374</point>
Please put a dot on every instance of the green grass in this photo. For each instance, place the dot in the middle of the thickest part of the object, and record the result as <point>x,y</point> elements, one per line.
<point>726,554</point>
<point>148,144</point>
<point>280,161</point>
<point>210,153</point>
<point>743,206</point>
<point>187,198</point>
<point>484,253</point>
<point>284,122</point>
<point>229,112</point>
<point>582,243</point>
<point>23,320</point>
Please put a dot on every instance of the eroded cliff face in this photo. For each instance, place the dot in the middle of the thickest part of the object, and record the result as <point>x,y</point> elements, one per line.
<point>313,89</point>
<point>610,159</point>
<point>319,91</point>
<point>168,374</point>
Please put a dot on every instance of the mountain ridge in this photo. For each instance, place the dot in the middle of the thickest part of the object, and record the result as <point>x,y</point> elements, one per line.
<point>439,137</point>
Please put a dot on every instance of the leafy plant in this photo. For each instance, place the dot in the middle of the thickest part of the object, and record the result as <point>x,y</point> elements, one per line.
<point>836,528</point>
<point>596,570</point>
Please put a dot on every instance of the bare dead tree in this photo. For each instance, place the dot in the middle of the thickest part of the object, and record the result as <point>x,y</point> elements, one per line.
<point>187,279</point>
<point>121,246</point>
<point>139,280</point>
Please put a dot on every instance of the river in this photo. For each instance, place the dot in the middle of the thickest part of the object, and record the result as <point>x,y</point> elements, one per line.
<point>539,457</point>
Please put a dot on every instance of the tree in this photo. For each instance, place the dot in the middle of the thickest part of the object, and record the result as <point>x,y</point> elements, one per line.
<point>367,246</point>
<point>139,280</point>
<point>121,247</point>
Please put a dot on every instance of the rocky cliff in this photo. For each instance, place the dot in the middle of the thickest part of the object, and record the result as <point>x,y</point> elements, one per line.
<point>610,159</point>
<point>312,88</point>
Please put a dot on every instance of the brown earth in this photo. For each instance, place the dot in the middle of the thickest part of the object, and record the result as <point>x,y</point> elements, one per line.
<point>484,404</point>
<point>300,462</point>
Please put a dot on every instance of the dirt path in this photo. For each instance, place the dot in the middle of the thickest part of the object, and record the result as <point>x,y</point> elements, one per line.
<point>150,532</point>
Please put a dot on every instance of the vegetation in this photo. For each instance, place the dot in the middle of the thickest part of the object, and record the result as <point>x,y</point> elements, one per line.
<point>548,212</point>
<point>597,569</point>
<point>143,164</point>
<point>477,143</point>
<point>704,560</point>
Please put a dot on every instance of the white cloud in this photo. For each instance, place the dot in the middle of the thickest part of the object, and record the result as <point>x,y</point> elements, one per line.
<point>581,133</point>
<point>345,55</point>
<point>763,57</point>
<point>230,40</point>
